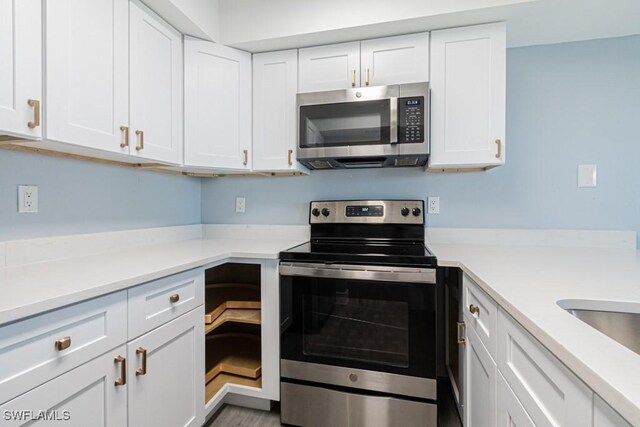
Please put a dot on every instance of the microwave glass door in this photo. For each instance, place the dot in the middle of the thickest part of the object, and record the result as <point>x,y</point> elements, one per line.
<point>373,325</point>
<point>343,124</point>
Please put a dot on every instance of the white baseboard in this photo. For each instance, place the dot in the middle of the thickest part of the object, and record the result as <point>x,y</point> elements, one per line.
<point>530,237</point>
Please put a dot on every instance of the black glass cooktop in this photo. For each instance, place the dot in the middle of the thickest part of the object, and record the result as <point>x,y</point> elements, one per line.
<point>362,252</point>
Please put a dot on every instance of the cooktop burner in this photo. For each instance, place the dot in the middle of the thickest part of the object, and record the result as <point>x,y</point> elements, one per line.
<point>382,232</point>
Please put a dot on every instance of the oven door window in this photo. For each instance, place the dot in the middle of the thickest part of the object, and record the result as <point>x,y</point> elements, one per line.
<point>380,326</point>
<point>344,124</point>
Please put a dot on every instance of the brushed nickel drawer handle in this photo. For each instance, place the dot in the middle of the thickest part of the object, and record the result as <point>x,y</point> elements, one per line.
<point>474,309</point>
<point>174,298</point>
<point>63,343</point>
<point>125,136</point>
<point>290,153</point>
<point>140,145</point>
<point>143,369</point>
<point>461,339</point>
<point>36,113</point>
<point>499,153</point>
<point>123,370</point>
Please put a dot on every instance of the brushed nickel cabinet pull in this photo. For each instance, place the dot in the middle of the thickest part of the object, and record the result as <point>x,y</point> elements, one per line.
<point>246,157</point>
<point>499,144</point>
<point>125,136</point>
<point>174,298</point>
<point>366,77</point>
<point>474,309</point>
<point>461,339</point>
<point>140,145</point>
<point>290,153</point>
<point>353,78</point>
<point>143,369</point>
<point>123,370</point>
<point>36,113</point>
<point>63,343</point>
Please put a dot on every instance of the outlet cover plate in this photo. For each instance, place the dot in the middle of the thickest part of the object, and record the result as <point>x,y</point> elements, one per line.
<point>240,204</point>
<point>433,205</point>
<point>27,199</point>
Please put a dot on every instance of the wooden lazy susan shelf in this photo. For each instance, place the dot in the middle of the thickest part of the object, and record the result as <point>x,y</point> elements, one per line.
<point>225,296</point>
<point>233,357</point>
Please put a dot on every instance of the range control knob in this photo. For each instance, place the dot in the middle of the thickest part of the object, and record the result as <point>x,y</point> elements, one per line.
<point>416,211</point>
<point>315,212</point>
<point>404,211</point>
<point>325,212</point>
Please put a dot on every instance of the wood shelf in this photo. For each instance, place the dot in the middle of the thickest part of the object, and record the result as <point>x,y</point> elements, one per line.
<point>214,386</point>
<point>234,353</point>
<point>252,317</point>
<point>224,296</point>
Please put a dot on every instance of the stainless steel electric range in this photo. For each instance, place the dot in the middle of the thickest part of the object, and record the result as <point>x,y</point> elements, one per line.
<point>358,318</point>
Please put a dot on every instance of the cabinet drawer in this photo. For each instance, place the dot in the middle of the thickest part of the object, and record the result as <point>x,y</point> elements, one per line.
<point>30,355</point>
<point>484,320</point>
<point>157,302</point>
<point>548,391</point>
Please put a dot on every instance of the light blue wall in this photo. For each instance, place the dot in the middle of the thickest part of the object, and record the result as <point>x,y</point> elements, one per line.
<point>80,197</point>
<point>567,104</point>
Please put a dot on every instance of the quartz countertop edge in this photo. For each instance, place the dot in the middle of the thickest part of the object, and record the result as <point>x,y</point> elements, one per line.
<point>36,288</point>
<point>527,283</point>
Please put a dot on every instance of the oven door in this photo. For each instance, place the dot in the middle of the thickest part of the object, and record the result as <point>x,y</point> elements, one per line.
<point>360,321</point>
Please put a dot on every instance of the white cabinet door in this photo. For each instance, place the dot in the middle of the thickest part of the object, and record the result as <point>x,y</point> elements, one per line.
<point>275,83</point>
<point>395,60</point>
<point>85,396</point>
<point>479,384</point>
<point>331,67</point>
<point>510,410</point>
<point>605,416</point>
<point>548,391</point>
<point>87,72</point>
<point>217,106</point>
<point>166,374</point>
<point>21,70</point>
<point>155,99</point>
<point>468,96</point>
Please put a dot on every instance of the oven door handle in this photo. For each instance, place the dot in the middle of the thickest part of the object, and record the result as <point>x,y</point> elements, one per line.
<point>360,272</point>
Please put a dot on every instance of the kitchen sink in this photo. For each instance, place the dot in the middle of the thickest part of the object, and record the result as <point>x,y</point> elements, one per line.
<point>623,327</point>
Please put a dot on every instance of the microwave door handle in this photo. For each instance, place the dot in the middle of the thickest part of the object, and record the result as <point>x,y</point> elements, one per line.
<point>393,120</point>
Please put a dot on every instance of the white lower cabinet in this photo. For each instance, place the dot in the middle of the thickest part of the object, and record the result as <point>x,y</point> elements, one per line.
<point>165,370</point>
<point>480,384</point>
<point>85,396</point>
<point>510,410</point>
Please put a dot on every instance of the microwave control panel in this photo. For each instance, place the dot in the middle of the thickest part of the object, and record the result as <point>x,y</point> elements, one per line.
<point>411,119</point>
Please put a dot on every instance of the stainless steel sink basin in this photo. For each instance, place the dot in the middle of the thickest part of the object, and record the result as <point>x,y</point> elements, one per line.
<point>622,327</point>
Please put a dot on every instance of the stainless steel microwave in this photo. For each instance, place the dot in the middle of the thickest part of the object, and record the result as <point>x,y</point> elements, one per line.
<point>379,126</point>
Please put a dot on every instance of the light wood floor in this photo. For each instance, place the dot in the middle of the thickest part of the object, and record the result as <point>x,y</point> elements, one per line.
<point>234,416</point>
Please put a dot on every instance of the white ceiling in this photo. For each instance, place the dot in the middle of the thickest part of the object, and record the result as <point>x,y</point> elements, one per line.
<point>262,25</point>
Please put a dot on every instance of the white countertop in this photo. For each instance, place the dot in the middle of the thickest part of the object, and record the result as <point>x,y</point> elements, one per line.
<point>527,282</point>
<point>35,288</point>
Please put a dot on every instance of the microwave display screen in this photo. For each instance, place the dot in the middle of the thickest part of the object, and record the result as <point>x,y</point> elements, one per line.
<point>413,102</point>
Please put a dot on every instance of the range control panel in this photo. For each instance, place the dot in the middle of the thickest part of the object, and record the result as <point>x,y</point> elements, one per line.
<point>411,119</point>
<point>367,212</point>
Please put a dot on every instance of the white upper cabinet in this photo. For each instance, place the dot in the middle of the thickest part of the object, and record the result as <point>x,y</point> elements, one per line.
<point>21,70</point>
<point>331,67</point>
<point>87,72</point>
<point>217,106</point>
<point>275,83</point>
<point>395,60</point>
<point>468,97</point>
<point>156,86</point>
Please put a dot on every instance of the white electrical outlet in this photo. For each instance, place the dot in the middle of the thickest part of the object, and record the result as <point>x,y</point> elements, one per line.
<point>240,204</point>
<point>27,199</point>
<point>433,205</point>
